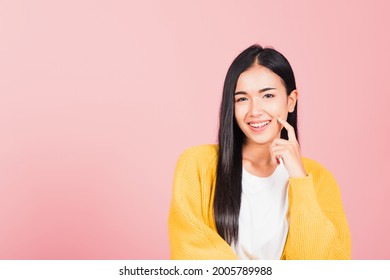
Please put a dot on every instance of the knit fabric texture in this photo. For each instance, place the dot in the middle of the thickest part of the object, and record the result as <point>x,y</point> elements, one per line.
<point>318,228</point>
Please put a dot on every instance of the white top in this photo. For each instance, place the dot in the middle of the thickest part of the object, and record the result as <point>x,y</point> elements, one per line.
<point>263,221</point>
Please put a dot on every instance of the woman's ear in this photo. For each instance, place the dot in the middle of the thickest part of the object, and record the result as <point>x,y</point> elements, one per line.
<point>292,100</point>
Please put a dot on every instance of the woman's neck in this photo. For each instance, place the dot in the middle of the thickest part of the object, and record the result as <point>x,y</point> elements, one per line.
<point>257,154</point>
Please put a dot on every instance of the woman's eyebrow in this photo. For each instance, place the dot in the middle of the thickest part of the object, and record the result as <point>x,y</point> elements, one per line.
<point>260,91</point>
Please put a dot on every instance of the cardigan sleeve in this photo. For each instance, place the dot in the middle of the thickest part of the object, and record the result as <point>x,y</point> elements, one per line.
<point>189,235</point>
<point>318,225</point>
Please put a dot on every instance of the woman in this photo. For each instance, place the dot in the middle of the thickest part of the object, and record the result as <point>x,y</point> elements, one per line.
<point>253,196</point>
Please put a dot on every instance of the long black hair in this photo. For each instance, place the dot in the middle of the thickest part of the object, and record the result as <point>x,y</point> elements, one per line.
<point>227,198</point>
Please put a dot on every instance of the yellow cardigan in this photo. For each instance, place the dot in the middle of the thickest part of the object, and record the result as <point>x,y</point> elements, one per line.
<point>318,227</point>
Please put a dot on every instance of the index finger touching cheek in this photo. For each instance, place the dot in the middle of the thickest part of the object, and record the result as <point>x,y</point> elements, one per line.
<point>289,128</point>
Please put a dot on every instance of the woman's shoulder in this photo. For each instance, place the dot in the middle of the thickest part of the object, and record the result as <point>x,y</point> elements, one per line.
<point>200,157</point>
<point>201,152</point>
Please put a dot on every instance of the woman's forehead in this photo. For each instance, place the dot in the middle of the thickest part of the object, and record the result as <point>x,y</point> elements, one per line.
<point>258,77</point>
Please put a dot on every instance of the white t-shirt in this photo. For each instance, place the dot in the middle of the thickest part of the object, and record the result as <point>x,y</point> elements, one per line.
<point>263,221</point>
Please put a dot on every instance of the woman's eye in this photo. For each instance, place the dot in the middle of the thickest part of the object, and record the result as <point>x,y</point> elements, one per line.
<point>241,99</point>
<point>268,95</point>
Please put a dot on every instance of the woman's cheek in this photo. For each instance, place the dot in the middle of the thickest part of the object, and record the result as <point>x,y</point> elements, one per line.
<point>277,110</point>
<point>239,111</point>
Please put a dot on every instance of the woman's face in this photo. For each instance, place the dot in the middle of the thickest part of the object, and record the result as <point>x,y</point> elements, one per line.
<point>260,97</point>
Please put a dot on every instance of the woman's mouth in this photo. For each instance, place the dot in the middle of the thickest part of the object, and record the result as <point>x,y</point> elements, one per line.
<point>259,126</point>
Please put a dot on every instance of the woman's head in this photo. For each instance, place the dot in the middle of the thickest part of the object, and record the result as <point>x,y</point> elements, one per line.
<point>259,99</point>
<point>259,86</point>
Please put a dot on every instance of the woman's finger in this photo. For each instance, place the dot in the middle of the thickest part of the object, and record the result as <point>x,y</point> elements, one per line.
<point>277,153</point>
<point>289,128</point>
<point>280,141</point>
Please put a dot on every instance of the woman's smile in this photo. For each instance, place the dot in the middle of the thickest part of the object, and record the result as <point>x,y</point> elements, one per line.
<point>258,126</point>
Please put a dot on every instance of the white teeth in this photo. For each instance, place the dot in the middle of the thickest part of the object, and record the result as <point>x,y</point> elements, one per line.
<point>257,125</point>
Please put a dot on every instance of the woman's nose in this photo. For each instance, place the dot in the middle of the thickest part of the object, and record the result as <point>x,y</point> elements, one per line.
<point>256,108</point>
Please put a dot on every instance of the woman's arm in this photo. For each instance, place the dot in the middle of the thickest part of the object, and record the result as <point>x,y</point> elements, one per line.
<point>318,225</point>
<point>189,234</point>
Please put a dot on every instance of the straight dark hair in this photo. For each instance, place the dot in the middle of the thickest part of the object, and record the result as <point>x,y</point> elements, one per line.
<point>227,198</point>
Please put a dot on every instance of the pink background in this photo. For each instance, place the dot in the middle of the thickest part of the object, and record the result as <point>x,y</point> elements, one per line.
<point>99,98</point>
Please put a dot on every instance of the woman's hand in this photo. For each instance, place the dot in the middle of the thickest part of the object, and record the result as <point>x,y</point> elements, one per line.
<point>288,151</point>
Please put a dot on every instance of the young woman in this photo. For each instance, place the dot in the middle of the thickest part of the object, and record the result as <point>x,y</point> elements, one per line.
<point>253,196</point>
